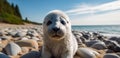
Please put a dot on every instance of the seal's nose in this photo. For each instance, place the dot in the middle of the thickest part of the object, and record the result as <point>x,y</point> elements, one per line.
<point>55,29</point>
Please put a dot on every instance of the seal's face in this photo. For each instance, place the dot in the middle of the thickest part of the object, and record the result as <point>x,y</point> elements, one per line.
<point>56,26</point>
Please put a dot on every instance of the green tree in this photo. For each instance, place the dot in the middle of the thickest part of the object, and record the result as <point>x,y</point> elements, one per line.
<point>18,11</point>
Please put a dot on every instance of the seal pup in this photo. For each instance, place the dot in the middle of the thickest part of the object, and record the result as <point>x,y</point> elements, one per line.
<point>59,41</point>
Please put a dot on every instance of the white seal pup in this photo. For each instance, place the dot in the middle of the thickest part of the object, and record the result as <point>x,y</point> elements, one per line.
<point>59,41</point>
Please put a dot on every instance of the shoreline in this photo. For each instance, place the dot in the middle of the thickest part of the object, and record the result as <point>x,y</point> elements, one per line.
<point>13,36</point>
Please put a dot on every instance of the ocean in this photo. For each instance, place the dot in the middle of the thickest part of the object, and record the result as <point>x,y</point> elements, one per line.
<point>103,29</point>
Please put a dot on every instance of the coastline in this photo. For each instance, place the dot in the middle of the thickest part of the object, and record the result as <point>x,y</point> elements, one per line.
<point>32,35</point>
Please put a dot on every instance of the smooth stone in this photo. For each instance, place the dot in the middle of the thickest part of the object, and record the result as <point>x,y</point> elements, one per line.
<point>32,54</point>
<point>1,33</point>
<point>77,33</point>
<point>87,36</point>
<point>109,51</point>
<point>99,45</point>
<point>32,33</point>
<point>35,38</point>
<point>12,49</point>
<point>12,33</point>
<point>5,37</point>
<point>20,34</point>
<point>2,55</point>
<point>117,39</point>
<point>3,43</point>
<point>77,36</point>
<point>87,53</point>
<point>25,49</point>
<point>91,42</point>
<point>27,43</point>
<point>113,45</point>
<point>110,55</point>
<point>24,38</point>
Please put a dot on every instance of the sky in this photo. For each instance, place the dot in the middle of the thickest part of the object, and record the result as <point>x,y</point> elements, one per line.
<point>81,12</point>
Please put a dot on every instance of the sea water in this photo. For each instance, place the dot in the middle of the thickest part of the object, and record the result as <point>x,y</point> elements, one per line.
<point>103,29</point>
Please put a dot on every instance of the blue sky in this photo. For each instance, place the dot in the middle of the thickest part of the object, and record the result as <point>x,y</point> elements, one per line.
<point>81,12</point>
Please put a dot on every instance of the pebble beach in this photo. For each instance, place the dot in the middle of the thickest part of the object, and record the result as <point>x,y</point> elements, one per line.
<point>25,41</point>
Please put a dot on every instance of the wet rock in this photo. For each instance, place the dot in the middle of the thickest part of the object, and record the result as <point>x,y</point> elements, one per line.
<point>110,55</point>
<point>91,42</point>
<point>117,39</point>
<point>113,45</point>
<point>3,55</point>
<point>86,36</point>
<point>99,45</point>
<point>109,51</point>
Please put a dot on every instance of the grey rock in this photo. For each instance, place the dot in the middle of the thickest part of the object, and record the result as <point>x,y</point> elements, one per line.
<point>87,53</point>
<point>20,34</point>
<point>12,49</point>
<point>91,42</point>
<point>99,45</point>
<point>1,33</point>
<point>32,33</point>
<point>28,43</point>
<point>35,38</point>
<point>110,55</point>
<point>5,37</point>
<point>113,45</point>
<point>12,33</point>
<point>117,39</point>
<point>32,54</point>
<point>2,55</point>
<point>24,38</point>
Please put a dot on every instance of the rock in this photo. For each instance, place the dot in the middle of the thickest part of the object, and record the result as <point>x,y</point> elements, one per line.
<point>25,50</point>
<point>86,36</point>
<point>99,45</point>
<point>12,33</point>
<point>91,42</point>
<point>3,55</point>
<point>12,49</point>
<point>32,33</point>
<point>1,33</point>
<point>110,55</point>
<point>77,34</point>
<point>117,39</point>
<point>109,51</point>
<point>35,38</point>
<point>87,53</point>
<point>20,34</point>
<point>113,45</point>
<point>27,43</point>
<point>3,43</point>
<point>5,37</point>
<point>24,38</point>
<point>32,54</point>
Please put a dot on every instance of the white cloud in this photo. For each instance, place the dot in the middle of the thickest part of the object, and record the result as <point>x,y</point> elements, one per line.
<point>91,18</point>
<point>104,7</point>
<point>99,19</point>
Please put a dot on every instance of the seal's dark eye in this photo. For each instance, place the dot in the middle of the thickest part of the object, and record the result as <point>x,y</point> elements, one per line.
<point>49,22</point>
<point>63,22</point>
